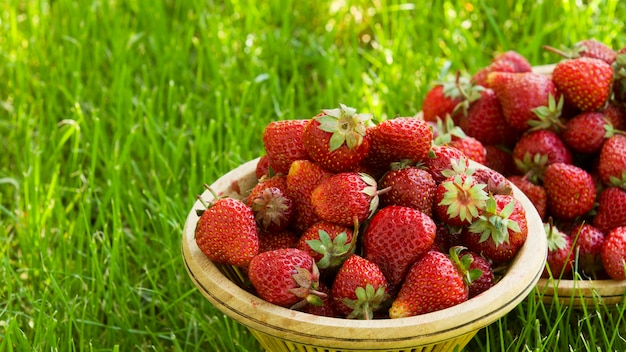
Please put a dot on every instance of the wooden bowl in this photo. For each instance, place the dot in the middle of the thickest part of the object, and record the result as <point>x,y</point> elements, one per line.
<point>281,329</point>
<point>579,292</point>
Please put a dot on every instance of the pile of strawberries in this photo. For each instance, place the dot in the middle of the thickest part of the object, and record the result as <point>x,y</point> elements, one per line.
<point>360,220</point>
<point>559,136</point>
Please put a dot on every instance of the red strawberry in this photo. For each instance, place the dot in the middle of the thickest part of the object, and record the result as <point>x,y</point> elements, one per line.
<point>269,241</point>
<point>434,282</point>
<point>500,230</point>
<point>329,244</point>
<point>410,187</point>
<point>535,193</point>
<point>614,253</point>
<point>615,115</point>
<point>519,94</point>
<point>612,161</point>
<point>500,160</point>
<point>509,61</point>
<point>283,144</point>
<point>486,279</point>
<point>611,210</point>
<point>359,288</point>
<point>586,132</point>
<point>570,189</point>
<point>485,121</point>
<point>327,308</point>
<point>345,198</point>
<point>442,158</point>
<point>472,148</point>
<point>397,139</point>
<point>285,277</point>
<point>441,100</point>
<point>587,48</point>
<point>560,260</point>
<point>480,76</point>
<point>337,139</point>
<point>226,232</point>
<point>263,167</point>
<point>519,62</point>
<point>535,150</point>
<point>303,177</point>
<point>495,182</point>
<point>588,241</point>
<point>272,209</point>
<point>395,238</point>
<point>585,82</point>
<point>458,199</point>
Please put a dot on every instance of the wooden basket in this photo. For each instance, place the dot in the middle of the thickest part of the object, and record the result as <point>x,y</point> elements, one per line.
<point>280,329</point>
<point>580,291</point>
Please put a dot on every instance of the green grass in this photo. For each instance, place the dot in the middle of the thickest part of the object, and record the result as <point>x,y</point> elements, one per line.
<point>114,113</point>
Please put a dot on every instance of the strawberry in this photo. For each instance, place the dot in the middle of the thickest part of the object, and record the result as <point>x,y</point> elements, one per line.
<point>442,158</point>
<point>584,82</point>
<point>395,238</point>
<point>283,143</point>
<point>509,61</point>
<point>499,231</point>
<point>471,148</point>
<point>535,150</point>
<point>587,48</point>
<point>410,186</point>
<point>588,241</point>
<point>495,182</point>
<point>619,78</point>
<point>486,279</point>
<point>359,288</point>
<point>345,198</point>
<point>441,100</point>
<point>337,139</point>
<point>570,189</point>
<point>500,159</point>
<point>327,308</point>
<point>263,167</point>
<point>303,177</point>
<point>586,132</point>
<point>458,199</point>
<point>269,241</point>
<point>615,115</point>
<point>485,121</point>
<point>614,253</point>
<point>519,94</point>
<point>286,277</point>
<point>536,193</point>
<point>272,209</point>
<point>480,76</point>
<point>560,260</point>
<point>329,244</point>
<point>612,161</point>
<point>446,237</point>
<point>397,139</point>
<point>226,232</point>
<point>611,210</point>
<point>436,281</point>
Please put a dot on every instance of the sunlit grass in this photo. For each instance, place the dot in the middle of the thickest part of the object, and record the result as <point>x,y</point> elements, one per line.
<point>114,113</point>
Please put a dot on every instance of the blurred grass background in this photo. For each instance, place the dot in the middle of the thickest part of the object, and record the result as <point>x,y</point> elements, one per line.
<point>114,113</point>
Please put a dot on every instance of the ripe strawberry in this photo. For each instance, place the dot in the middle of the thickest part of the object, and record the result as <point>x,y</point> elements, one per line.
<point>397,139</point>
<point>519,94</point>
<point>500,160</point>
<point>303,177</point>
<point>495,182</point>
<point>570,189</point>
<point>509,61</point>
<point>337,139</point>
<point>286,277</point>
<point>485,121</point>
<point>272,209</point>
<point>436,281</point>
<point>283,144</point>
<point>442,158</point>
<point>611,210</point>
<point>359,288</point>
<point>329,244</point>
<point>226,232</point>
<point>585,82</point>
<point>612,161</point>
<point>587,48</point>
<point>500,230</point>
<point>480,76</point>
<point>560,260</point>
<point>410,187</point>
<point>327,308</point>
<point>615,115</point>
<point>519,62</point>
<point>471,148</point>
<point>345,198</point>
<point>535,150</point>
<point>586,132</point>
<point>588,241</point>
<point>614,253</point>
<point>459,199</point>
<point>395,238</point>
<point>446,237</point>
<point>263,167</point>
<point>486,279</point>
<point>269,241</point>
<point>441,100</point>
<point>535,193</point>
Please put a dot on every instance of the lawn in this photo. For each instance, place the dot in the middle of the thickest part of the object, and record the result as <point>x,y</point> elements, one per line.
<point>114,113</point>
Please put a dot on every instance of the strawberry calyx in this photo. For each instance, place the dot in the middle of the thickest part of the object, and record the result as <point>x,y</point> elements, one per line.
<point>345,125</point>
<point>458,166</point>
<point>618,182</point>
<point>368,300</point>
<point>308,287</point>
<point>494,224</point>
<point>532,167</point>
<point>270,207</point>
<point>549,117</point>
<point>464,197</point>
<point>556,238</point>
<point>334,252</point>
<point>372,191</point>
<point>447,131</point>
<point>204,203</point>
<point>462,264</point>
